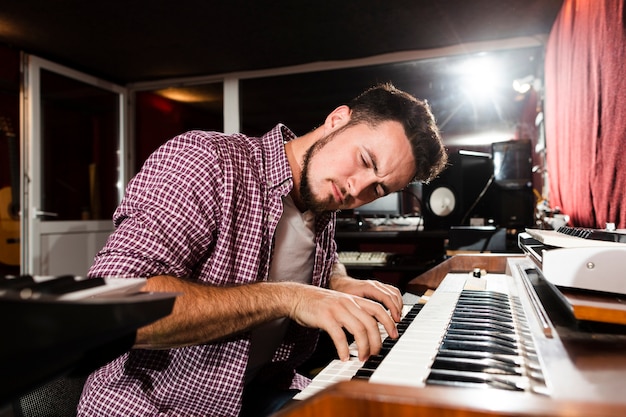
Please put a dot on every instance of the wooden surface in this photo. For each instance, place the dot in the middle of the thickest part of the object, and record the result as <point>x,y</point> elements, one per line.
<point>362,399</point>
<point>493,263</point>
<point>601,308</point>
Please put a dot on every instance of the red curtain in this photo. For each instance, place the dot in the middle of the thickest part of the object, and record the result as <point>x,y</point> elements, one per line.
<point>585,108</point>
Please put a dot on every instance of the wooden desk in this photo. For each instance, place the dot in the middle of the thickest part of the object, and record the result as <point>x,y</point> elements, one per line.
<point>363,399</point>
<point>430,280</point>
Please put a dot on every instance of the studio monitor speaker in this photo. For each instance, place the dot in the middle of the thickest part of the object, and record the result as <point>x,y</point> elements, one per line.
<point>453,197</point>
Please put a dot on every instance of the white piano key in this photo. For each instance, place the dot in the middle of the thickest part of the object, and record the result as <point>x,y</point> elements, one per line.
<point>335,372</point>
<point>408,363</point>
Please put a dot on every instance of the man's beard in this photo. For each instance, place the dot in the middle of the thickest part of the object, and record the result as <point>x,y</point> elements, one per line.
<point>310,201</point>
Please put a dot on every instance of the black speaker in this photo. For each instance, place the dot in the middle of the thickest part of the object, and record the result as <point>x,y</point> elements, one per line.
<point>456,195</point>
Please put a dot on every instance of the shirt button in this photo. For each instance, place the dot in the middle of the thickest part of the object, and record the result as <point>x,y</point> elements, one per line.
<point>270,218</point>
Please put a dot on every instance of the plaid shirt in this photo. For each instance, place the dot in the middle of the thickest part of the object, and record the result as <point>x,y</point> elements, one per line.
<point>205,206</point>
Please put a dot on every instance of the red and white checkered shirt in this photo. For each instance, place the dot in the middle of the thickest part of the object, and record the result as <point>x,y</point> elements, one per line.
<point>205,206</point>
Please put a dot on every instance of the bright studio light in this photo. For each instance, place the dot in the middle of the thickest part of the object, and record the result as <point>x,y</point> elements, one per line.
<point>522,85</point>
<point>481,76</point>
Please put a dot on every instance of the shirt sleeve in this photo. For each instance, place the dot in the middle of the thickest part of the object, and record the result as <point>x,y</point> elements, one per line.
<point>167,219</point>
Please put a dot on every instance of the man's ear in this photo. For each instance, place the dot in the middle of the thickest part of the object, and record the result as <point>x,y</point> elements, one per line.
<point>338,118</point>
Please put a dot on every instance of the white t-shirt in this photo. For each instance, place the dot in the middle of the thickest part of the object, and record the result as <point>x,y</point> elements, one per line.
<point>292,260</point>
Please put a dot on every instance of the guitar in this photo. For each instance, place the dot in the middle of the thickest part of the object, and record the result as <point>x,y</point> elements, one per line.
<point>9,202</point>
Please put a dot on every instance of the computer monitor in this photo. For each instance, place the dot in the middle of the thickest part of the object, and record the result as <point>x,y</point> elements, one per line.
<point>387,206</point>
<point>512,163</point>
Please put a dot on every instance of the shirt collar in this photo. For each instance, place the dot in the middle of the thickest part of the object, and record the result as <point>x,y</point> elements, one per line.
<point>276,164</point>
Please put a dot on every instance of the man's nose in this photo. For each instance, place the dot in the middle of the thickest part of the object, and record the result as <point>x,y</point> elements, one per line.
<point>360,186</point>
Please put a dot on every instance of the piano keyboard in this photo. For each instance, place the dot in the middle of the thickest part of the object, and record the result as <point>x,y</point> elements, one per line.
<point>578,238</point>
<point>354,258</point>
<point>54,325</point>
<point>66,287</point>
<point>471,332</point>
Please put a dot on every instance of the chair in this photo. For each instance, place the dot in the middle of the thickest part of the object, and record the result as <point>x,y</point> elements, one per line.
<point>58,398</point>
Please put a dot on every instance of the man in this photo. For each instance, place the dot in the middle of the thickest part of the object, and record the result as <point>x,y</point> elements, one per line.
<point>243,229</point>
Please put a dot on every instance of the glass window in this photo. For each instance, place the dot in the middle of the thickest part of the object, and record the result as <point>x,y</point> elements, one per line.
<point>80,131</point>
<point>163,113</point>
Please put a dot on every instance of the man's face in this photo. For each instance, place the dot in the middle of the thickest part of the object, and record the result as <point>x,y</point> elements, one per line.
<point>355,165</point>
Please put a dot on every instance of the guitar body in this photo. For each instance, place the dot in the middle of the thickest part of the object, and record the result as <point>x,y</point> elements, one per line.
<point>9,201</point>
<point>9,231</point>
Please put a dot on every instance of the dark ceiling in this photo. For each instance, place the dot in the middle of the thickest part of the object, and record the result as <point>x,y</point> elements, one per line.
<point>126,41</point>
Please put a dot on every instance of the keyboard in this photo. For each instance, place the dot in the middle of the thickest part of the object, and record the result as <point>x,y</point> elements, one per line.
<point>338,370</point>
<point>355,258</point>
<point>507,334</point>
<point>577,238</point>
<point>66,287</point>
<point>471,332</point>
<point>594,234</point>
<point>54,326</point>
<point>583,259</point>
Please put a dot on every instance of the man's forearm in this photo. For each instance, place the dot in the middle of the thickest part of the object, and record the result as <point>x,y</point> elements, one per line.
<point>204,314</point>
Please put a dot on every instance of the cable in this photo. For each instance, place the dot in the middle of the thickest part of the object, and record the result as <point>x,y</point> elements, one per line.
<point>480,196</point>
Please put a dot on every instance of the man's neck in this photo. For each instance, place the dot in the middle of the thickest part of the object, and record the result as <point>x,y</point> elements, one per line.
<point>295,151</point>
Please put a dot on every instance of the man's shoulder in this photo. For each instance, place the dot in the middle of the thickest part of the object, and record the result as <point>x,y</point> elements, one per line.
<point>214,137</point>
<point>275,137</point>
<point>209,144</point>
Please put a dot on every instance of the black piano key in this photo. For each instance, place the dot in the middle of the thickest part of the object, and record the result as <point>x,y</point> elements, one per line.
<point>457,378</point>
<point>484,365</point>
<point>472,294</point>
<point>493,299</point>
<point>492,305</point>
<point>482,333</point>
<point>388,344</point>
<point>511,360</point>
<point>483,346</point>
<point>412,313</point>
<point>408,319</point>
<point>363,373</point>
<point>372,362</point>
<point>501,311</point>
<point>401,328</point>
<point>486,324</point>
<point>481,316</point>
<point>484,339</point>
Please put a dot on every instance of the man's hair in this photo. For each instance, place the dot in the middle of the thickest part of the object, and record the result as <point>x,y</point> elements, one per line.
<point>385,102</point>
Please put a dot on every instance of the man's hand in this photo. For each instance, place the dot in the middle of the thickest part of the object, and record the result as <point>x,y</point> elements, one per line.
<point>386,294</point>
<point>334,311</point>
<point>204,314</point>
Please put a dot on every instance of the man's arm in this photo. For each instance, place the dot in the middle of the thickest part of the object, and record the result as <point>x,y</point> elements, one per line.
<point>205,314</point>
